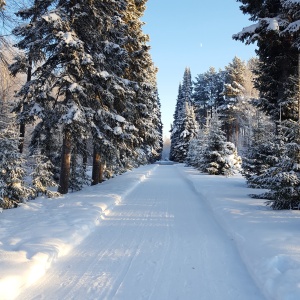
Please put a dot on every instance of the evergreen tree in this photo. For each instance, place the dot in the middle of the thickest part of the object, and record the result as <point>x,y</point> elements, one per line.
<point>13,189</point>
<point>184,126</point>
<point>78,176</point>
<point>233,94</point>
<point>188,130</point>
<point>187,86</point>
<point>175,133</point>
<point>42,176</point>
<point>196,149</point>
<point>219,156</point>
<point>278,55</point>
<point>81,75</point>
<point>208,93</point>
<point>144,109</point>
<point>31,44</point>
<point>260,156</point>
<point>282,179</point>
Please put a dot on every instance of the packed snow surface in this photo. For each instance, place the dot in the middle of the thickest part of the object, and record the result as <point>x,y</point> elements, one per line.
<point>158,232</point>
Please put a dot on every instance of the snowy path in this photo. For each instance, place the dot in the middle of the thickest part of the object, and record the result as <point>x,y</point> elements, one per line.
<point>160,242</point>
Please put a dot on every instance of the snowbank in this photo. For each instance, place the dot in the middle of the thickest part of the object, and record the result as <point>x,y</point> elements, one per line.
<point>268,240</point>
<point>34,235</point>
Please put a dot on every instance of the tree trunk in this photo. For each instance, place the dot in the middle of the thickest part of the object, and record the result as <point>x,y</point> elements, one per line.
<point>22,125</point>
<point>65,163</point>
<point>96,166</point>
<point>101,172</point>
<point>85,155</point>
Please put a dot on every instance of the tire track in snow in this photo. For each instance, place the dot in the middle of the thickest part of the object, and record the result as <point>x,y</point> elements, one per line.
<point>161,242</point>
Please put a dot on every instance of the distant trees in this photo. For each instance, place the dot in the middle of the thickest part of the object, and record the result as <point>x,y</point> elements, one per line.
<point>231,93</point>
<point>210,151</point>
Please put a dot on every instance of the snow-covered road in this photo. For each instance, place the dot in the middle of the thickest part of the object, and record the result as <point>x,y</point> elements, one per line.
<point>160,242</point>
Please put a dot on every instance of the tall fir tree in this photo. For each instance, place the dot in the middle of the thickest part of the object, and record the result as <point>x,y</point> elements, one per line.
<point>141,70</point>
<point>233,94</point>
<point>208,93</point>
<point>184,126</point>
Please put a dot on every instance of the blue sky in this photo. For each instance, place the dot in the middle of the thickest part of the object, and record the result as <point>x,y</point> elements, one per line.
<point>195,34</point>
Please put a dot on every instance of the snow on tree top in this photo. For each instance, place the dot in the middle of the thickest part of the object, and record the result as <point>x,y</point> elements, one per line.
<point>75,87</point>
<point>67,37</point>
<point>118,130</point>
<point>104,74</point>
<point>119,118</point>
<point>51,17</point>
<point>36,109</point>
<point>295,26</point>
<point>272,23</point>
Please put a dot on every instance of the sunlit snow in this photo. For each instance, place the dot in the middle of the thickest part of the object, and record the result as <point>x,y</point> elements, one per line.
<point>157,232</point>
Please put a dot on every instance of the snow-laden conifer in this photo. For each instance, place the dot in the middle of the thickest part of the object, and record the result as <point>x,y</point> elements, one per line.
<point>42,176</point>
<point>261,155</point>
<point>143,106</point>
<point>13,188</point>
<point>282,179</point>
<point>185,126</point>
<point>188,128</point>
<point>219,156</point>
<point>276,33</point>
<point>196,148</point>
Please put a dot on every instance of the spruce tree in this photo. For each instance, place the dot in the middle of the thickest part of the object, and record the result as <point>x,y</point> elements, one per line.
<point>175,126</point>
<point>81,75</point>
<point>259,157</point>
<point>208,93</point>
<point>196,149</point>
<point>143,109</point>
<point>13,189</point>
<point>278,55</point>
<point>30,43</point>
<point>233,94</point>
<point>42,176</point>
<point>184,126</point>
<point>219,156</point>
<point>282,179</point>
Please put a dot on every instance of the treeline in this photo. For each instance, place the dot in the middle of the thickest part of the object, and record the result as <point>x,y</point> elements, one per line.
<point>89,94</point>
<point>264,126</point>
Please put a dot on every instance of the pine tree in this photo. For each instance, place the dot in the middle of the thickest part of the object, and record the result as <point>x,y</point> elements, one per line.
<point>13,189</point>
<point>185,126</point>
<point>81,75</point>
<point>282,179</point>
<point>42,176</point>
<point>196,149</point>
<point>260,156</point>
<point>208,93</point>
<point>188,130</point>
<point>219,156</point>
<point>30,55</point>
<point>233,94</point>
<point>278,55</point>
<point>144,109</point>
<point>78,177</point>
<point>187,86</point>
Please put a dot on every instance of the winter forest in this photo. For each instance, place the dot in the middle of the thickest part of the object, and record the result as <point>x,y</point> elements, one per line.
<point>246,118</point>
<point>78,89</point>
<point>85,94</point>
